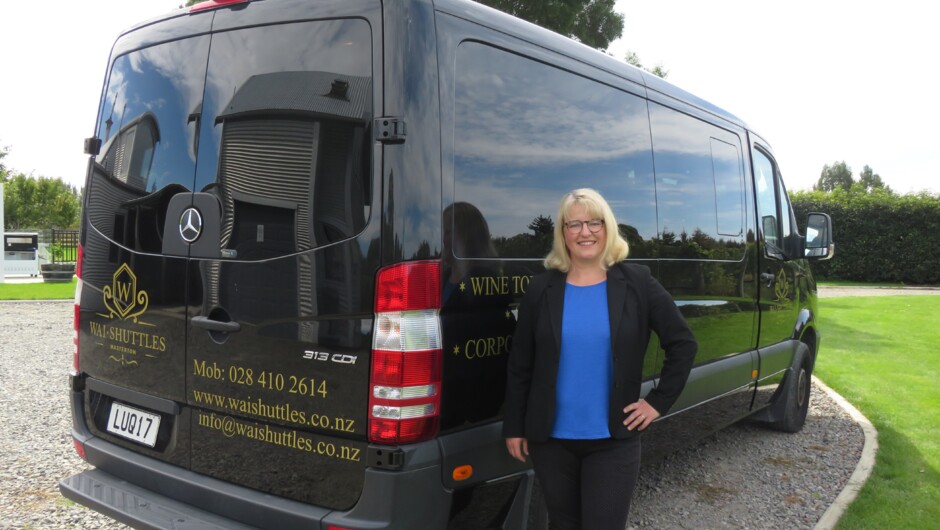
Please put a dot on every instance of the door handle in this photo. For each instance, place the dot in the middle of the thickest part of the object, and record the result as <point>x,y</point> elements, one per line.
<point>768,277</point>
<point>216,325</point>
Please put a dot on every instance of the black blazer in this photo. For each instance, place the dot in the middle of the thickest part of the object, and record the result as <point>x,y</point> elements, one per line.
<point>637,304</point>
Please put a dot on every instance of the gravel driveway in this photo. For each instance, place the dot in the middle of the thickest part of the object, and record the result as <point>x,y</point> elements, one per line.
<point>743,477</point>
<point>35,357</point>
<point>835,292</point>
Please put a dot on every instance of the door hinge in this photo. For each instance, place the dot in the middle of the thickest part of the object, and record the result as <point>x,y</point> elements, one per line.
<point>385,458</point>
<point>389,130</point>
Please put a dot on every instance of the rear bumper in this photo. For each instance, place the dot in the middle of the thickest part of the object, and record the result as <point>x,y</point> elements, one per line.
<point>138,507</point>
<point>146,493</point>
<point>143,508</point>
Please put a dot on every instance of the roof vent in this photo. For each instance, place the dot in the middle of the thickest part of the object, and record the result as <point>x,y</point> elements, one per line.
<point>338,89</point>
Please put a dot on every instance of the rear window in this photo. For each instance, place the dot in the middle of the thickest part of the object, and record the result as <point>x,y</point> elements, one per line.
<point>148,141</point>
<point>284,135</point>
<point>277,127</point>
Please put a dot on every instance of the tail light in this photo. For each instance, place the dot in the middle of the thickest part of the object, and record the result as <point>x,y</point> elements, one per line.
<point>76,320</point>
<point>214,4</point>
<point>405,399</point>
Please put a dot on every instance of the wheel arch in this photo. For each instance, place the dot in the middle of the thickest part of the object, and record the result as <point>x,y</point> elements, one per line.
<point>806,332</point>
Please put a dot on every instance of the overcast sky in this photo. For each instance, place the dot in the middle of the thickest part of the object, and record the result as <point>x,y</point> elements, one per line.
<point>823,81</point>
<point>54,60</point>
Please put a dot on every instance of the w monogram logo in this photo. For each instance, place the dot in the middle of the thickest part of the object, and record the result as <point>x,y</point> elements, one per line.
<point>122,298</point>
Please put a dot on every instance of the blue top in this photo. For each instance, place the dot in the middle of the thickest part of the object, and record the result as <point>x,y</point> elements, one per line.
<point>585,370</point>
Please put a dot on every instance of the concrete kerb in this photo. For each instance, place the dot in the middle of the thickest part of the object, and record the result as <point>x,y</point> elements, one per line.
<point>22,278</point>
<point>863,469</point>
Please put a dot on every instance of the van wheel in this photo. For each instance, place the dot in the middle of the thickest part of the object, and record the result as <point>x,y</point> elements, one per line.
<point>538,512</point>
<point>796,395</point>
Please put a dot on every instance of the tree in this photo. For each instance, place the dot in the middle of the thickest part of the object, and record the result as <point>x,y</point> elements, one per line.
<point>634,59</point>
<point>542,225</point>
<point>870,180</point>
<point>836,176</point>
<point>4,151</point>
<point>592,22</point>
<point>42,202</point>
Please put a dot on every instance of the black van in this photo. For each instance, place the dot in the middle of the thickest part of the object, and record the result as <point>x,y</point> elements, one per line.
<point>307,227</point>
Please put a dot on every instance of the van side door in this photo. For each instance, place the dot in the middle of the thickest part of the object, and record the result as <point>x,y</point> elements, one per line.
<point>705,263</point>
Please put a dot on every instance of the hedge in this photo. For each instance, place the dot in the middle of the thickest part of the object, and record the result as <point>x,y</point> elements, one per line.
<point>879,236</point>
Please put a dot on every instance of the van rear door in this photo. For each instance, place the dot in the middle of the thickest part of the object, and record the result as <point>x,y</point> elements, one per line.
<point>132,337</point>
<point>227,301</point>
<point>279,336</point>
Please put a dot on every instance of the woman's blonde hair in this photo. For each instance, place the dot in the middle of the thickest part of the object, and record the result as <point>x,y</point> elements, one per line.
<point>594,204</point>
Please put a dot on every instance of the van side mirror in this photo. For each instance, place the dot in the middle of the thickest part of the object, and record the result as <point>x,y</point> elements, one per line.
<point>769,227</point>
<point>818,241</point>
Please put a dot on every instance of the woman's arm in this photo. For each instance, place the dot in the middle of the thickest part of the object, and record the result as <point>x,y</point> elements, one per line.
<point>679,344</point>
<point>519,369</point>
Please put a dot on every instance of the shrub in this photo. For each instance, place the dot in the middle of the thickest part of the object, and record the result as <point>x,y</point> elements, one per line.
<point>879,236</point>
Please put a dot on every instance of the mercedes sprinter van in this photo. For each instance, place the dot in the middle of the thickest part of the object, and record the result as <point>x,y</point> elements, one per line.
<point>307,227</point>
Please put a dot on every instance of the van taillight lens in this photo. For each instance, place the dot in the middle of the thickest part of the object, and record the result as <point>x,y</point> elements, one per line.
<point>410,286</point>
<point>79,447</point>
<point>405,398</point>
<point>76,319</point>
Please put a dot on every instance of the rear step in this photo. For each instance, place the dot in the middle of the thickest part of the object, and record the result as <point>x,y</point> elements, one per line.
<point>138,507</point>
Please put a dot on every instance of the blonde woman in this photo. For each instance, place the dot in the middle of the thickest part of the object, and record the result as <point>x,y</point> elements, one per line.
<point>573,390</point>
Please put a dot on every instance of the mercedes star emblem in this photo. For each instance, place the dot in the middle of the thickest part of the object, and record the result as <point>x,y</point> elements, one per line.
<point>190,225</point>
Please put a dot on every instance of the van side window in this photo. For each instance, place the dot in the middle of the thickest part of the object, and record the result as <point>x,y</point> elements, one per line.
<point>729,188</point>
<point>699,187</point>
<point>526,132</point>
<point>787,217</point>
<point>767,202</point>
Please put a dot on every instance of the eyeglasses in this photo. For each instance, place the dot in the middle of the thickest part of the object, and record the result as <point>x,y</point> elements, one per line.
<point>594,226</point>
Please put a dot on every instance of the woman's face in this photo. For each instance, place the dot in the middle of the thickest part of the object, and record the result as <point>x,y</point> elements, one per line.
<point>584,247</point>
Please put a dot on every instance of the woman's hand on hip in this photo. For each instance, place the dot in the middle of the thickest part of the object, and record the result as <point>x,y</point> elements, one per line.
<point>639,415</point>
<point>518,448</point>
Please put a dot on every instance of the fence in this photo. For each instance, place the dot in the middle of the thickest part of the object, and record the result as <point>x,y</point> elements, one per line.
<point>63,246</point>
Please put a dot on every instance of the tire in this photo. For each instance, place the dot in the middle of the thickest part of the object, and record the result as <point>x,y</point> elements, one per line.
<point>796,390</point>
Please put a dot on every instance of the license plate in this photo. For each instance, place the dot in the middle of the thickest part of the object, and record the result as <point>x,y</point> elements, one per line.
<point>133,424</point>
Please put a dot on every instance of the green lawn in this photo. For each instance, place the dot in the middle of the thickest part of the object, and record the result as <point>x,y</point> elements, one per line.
<point>880,353</point>
<point>38,291</point>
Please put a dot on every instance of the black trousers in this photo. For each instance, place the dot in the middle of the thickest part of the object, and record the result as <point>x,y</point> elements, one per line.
<point>587,484</point>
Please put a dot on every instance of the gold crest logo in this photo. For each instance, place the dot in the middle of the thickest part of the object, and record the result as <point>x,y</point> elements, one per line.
<point>782,286</point>
<point>122,298</point>
<point>130,339</point>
